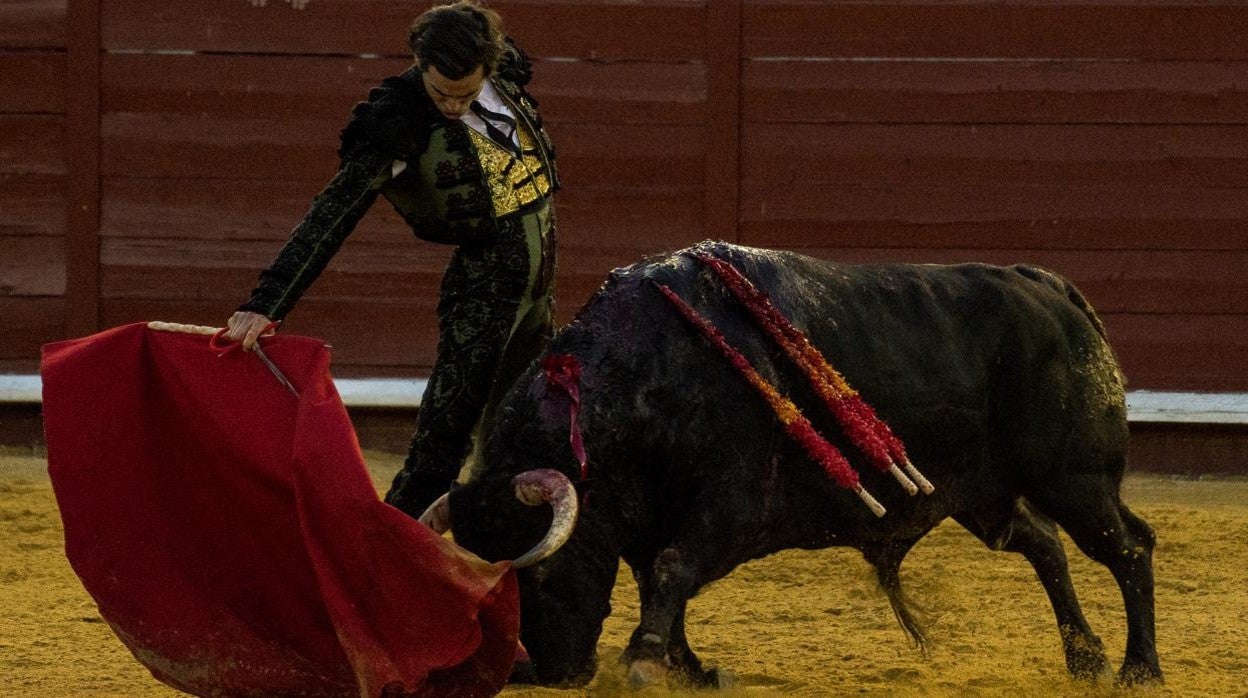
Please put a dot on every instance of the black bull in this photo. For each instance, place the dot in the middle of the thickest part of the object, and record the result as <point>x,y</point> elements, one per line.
<point>998,380</point>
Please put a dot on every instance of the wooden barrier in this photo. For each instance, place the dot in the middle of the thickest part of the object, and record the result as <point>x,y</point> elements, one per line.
<point>154,155</point>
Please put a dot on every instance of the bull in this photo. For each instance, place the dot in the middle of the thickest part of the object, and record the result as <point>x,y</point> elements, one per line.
<point>999,380</point>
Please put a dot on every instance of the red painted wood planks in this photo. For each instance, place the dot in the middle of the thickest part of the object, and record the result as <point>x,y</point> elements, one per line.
<point>32,266</point>
<point>1149,30</point>
<point>1119,281</point>
<point>29,323</point>
<point>33,24</point>
<point>34,82</point>
<point>1005,91</point>
<point>654,29</point>
<point>883,214</point>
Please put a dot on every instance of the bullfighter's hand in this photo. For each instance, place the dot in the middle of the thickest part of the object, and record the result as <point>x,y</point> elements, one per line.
<point>246,327</point>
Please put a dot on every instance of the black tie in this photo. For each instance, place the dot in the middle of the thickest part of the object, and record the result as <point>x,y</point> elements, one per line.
<point>494,132</point>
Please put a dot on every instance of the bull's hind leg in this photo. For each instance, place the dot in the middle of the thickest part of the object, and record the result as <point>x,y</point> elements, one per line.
<point>1035,538</point>
<point>1088,507</point>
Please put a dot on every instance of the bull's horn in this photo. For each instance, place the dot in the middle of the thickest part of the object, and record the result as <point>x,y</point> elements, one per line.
<point>438,515</point>
<point>537,486</point>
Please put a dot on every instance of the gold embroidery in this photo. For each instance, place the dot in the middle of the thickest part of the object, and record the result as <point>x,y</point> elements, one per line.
<point>494,161</point>
<point>513,183</point>
<point>533,164</point>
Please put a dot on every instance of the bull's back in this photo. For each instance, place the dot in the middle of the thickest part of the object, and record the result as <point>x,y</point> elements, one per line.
<point>972,365</point>
<point>962,353</point>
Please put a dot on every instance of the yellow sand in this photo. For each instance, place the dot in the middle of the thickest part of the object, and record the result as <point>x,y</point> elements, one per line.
<point>801,623</point>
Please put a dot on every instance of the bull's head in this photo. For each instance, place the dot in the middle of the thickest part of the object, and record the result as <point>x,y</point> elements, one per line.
<point>564,591</point>
<point>532,488</point>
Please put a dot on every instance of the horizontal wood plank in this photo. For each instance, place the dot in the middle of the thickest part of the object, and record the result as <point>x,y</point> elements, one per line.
<point>364,272</point>
<point>398,334</point>
<point>988,216</point>
<point>1147,30</point>
<point>635,221</point>
<point>249,86</point>
<point>32,144</point>
<point>29,323</point>
<point>1008,91</point>
<point>240,87</point>
<point>229,209</point>
<point>398,337</point>
<point>642,157</point>
<point>32,204</point>
<point>195,146</point>
<point>1185,449</point>
<point>33,24</point>
<point>32,266</point>
<point>34,82</point>
<point>1115,281</point>
<point>585,92</point>
<point>207,209</point>
<point>655,29</point>
<point>1181,352</point>
<point>223,269</point>
<point>776,155</point>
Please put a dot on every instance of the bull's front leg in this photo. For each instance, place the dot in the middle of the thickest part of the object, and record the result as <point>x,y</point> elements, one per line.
<point>658,650</point>
<point>686,668</point>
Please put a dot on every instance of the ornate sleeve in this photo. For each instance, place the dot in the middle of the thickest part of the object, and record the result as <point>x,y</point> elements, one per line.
<point>332,216</point>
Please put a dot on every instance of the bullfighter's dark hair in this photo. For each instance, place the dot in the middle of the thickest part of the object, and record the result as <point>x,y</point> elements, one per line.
<point>457,37</point>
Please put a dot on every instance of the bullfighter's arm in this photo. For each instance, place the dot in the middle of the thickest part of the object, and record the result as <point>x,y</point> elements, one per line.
<point>332,216</point>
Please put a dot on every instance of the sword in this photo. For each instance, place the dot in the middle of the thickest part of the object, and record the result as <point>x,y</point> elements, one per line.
<point>277,373</point>
<point>216,333</point>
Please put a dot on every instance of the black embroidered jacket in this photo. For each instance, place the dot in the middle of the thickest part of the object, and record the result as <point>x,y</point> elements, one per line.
<point>451,192</point>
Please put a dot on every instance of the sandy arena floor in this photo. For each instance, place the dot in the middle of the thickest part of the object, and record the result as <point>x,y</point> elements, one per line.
<point>798,623</point>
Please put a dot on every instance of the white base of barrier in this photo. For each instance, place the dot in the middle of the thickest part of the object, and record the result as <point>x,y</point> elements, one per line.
<point>1143,406</point>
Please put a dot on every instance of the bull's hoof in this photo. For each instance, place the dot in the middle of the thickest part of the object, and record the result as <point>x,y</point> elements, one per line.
<point>721,679</point>
<point>687,677</point>
<point>1085,655</point>
<point>647,672</point>
<point>1139,674</point>
<point>1086,663</point>
<point>1086,667</point>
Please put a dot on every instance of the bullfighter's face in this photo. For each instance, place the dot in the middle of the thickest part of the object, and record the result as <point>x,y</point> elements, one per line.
<point>452,97</point>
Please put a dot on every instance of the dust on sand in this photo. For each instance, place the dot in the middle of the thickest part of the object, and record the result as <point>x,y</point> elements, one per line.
<point>799,623</point>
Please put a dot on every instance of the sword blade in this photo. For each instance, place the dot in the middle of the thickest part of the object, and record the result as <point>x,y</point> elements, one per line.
<point>277,373</point>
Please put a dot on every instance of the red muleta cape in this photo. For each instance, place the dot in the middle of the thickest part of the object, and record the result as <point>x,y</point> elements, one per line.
<point>233,539</point>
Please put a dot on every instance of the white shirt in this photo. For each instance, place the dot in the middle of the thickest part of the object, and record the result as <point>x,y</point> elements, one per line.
<point>491,100</point>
